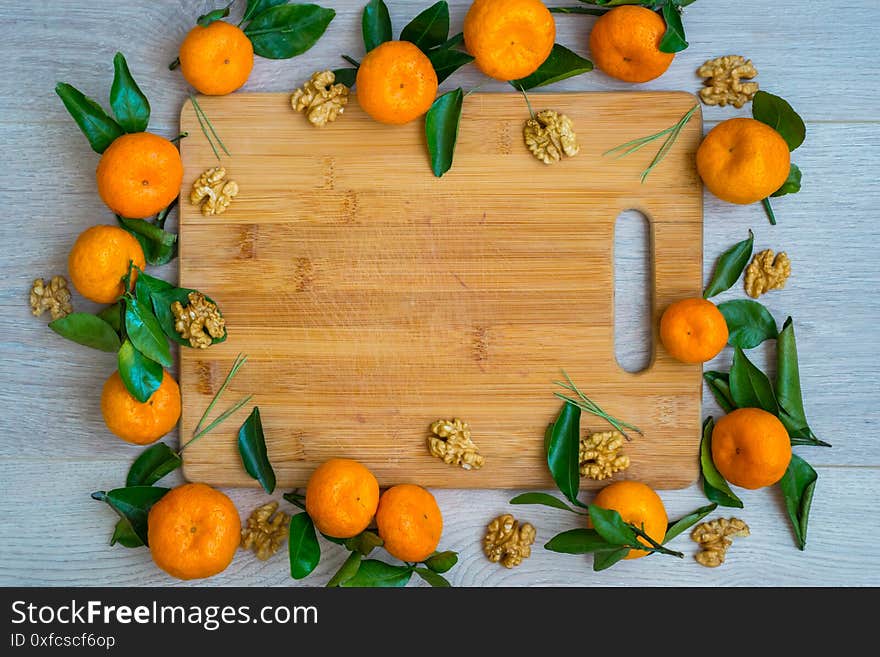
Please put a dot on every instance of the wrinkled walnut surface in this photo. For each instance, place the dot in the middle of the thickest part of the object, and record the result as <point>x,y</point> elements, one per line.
<point>507,541</point>
<point>766,272</point>
<point>265,531</point>
<point>213,192</point>
<point>53,296</point>
<point>549,136</point>
<point>320,99</point>
<point>714,537</point>
<point>599,455</point>
<point>199,322</point>
<point>724,83</point>
<point>450,440</point>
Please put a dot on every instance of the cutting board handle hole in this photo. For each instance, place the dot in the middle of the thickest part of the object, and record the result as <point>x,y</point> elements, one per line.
<point>633,336</point>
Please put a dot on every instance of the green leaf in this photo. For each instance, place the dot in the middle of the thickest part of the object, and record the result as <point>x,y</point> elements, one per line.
<point>141,376</point>
<point>792,184</point>
<point>300,500</point>
<point>252,447</point>
<point>441,562</point>
<point>607,558</point>
<point>432,578</point>
<point>788,389</point>
<point>447,61</point>
<point>159,246</point>
<point>213,16</point>
<point>379,574</point>
<point>257,7</point>
<point>348,570</point>
<point>579,541</point>
<point>562,63</point>
<point>145,333</point>
<point>87,329</point>
<point>375,24</point>
<point>130,105</point>
<point>162,301</point>
<point>346,76</point>
<point>749,386</point>
<point>94,122</point>
<point>147,230</point>
<point>363,543</point>
<point>611,526</point>
<point>286,31</point>
<point>153,463</point>
<point>688,521</point>
<point>430,28</point>
<point>441,129</point>
<point>719,385</point>
<point>562,452</point>
<point>714,485</point>
<point>748,322</point>
<point>798,484</point>
<point>112,314</point>
<point>145,286</point>
<point>303,547</point>
<point>673,39</point>
<point>543,499</point>
<point>779,115</point>
<point>133,503</point>
<point>730,267</point>
<point>124,534</point>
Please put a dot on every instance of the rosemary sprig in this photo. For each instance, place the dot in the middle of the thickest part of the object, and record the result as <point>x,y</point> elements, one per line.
<point>198,432</point>
<point>206,125</point>
<point>589,406</point>
<point>671,133</point>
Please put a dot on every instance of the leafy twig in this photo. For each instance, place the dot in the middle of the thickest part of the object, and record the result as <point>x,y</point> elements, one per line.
<point>671,133</point>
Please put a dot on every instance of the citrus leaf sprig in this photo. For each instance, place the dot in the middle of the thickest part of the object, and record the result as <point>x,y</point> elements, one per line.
<point>673,40</point>
<point>130,107</point>
<point>357,571</point>
<point>560,64</point>
<point>779,115</point>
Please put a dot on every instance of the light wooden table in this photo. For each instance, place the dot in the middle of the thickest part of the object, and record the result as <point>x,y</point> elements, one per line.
<point>56,449</point>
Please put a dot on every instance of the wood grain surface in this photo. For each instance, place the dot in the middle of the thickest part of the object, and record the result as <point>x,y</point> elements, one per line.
<point>373,298</point>
<point>55,449</point>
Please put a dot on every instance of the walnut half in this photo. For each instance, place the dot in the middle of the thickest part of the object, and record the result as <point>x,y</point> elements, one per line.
<point>550,135</point>
<point>507,542</point>
<point>724,81</point>
<point>320,99</point>
<point>199,322</point>
<point>766,272</point>
<point>213,192</point>
<point>53,296</point>
<point>450,440</point>
<point>599,455</point>
<point>265,530</point>
<point>714,537</point>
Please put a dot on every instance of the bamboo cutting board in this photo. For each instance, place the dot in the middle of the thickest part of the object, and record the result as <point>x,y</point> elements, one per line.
<point>373,298</point>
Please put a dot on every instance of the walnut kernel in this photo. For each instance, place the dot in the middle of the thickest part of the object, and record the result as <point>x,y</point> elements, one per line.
<point>550,135</point>
<point>507,541</point>
<point>714,537</point>
<point>766,273</point>
<point>265,530</point>
<point>213,191</point>
<point>599,455</point>
<point>450,440</point>
<point>320,99</point>
<point>724,81</point>
<point>53,296</point>
<point>199,322</point>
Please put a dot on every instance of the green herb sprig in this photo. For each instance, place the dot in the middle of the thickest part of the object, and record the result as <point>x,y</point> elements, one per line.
<point>587,405</point>
<point>671,133</point>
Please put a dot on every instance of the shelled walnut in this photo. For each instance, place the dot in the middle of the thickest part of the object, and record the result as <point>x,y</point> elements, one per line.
<point>53,296</point>
<point>508,542</point>
<point>724,81</point>
<point>550,135</point>
<point>450,440</point>
<point>766,272</point>
<point>599,455</point>
<point>714,537</point>
<point>200,322</point>
<point>213,192</point>
<point>320,99</point>
<point>265,530</point>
